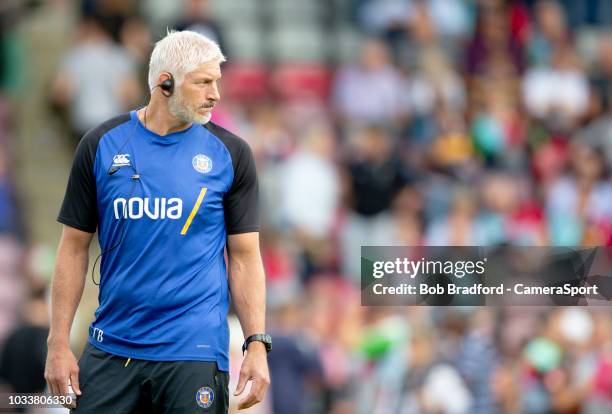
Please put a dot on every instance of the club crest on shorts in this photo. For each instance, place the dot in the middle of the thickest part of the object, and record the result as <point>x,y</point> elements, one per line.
<point>201,163</point>
<point>205,397</point>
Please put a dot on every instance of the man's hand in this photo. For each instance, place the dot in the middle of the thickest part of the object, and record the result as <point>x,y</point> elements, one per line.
<point>254,368</point>
<point>62,370</point>
<point>68,283</point>
<point>247,282</point>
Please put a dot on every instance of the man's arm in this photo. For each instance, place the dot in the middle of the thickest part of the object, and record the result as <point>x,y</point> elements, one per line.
<point>67,289</point>
<point>248,290</point>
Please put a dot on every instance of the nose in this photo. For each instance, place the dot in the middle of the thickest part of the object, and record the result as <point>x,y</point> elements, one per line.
<point>213,93</point>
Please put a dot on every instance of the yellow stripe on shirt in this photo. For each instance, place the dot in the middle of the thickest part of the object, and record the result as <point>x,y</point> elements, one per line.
<point>193,211</point>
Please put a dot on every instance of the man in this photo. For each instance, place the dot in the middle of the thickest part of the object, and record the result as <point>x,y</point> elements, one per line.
<point>168,191</point>
<point>98,70</point>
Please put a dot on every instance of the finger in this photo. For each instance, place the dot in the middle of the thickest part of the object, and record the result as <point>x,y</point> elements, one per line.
<point>242,380</point>
<point>74,381</point>
<point>249,401</point>
<point>51,386</point>
<point>65,387</point>
<point>258,388</point>
<point>55,386</point>
<point>255,395</point>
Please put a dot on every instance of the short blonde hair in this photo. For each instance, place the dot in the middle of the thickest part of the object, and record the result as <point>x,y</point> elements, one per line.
<point>180,53</point>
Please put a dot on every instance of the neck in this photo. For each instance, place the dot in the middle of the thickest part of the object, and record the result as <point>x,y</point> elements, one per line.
<point>158,117</point>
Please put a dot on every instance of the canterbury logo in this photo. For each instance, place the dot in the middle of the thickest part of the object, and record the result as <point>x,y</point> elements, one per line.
<point>121,160</point>
<point>154,208</point>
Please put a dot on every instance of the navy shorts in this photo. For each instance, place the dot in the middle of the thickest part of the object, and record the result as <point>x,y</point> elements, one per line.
<point>112,384</point>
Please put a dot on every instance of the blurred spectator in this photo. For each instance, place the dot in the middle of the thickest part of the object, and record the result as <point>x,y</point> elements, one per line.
<point>559,93</point>
<point>498,133</point>
<point>477,361</point>
<point>370,91</point>
<point>136,40</point>
<point>310,185</point>
<point>110,14</point>
<point>581,201</point>
<point>450,17</point>
<point>550,32</point>
<point>12,286</point>
<point>452,148</point>
<point>600,394</point>
<point>598,132</point>
<point>460,227</point>
<point>268,135</point>
<point>510,214</point>
<point>384,15</point>
<point>196,17</point>
<point>96,79</point>
<point>433,87</point>
<point>22,360</point>
<point>494,47</point>
<point>294,363</point>
<point>376,173</point>
<point>407,212</point>
<point>601,77</point>
<point>23,347</point>
<point>10,217</point>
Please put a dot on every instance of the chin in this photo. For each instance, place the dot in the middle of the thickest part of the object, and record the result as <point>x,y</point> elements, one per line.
<point>202,119</point>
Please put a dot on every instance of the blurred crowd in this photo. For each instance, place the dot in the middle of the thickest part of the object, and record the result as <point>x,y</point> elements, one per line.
<point>373,122</point>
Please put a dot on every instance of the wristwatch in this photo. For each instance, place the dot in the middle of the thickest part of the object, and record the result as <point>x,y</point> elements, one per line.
<point>265,338</point>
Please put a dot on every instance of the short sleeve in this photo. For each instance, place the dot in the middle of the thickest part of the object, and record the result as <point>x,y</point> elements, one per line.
<point>79,208</point>
<point>241,203</point>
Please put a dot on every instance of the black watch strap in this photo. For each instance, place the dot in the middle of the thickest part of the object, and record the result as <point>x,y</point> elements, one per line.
<point>264,338</point>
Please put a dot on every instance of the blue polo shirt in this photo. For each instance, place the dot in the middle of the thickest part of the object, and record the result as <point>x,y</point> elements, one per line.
<point>163,207</point>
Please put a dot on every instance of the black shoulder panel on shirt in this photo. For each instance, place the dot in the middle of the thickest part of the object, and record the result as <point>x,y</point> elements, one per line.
<point>79,208</point>
<point>234,144</point>
<point>241,202</point>
<point>92,138</point>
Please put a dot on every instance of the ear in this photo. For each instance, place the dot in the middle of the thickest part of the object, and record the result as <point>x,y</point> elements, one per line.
<point>163,76</point>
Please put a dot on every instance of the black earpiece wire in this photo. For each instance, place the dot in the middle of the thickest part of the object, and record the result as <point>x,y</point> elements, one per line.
<point>167,88</point>
<point>124,212</point>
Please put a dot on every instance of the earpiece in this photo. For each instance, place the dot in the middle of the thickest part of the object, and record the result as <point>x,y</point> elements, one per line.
<point>167,86</point>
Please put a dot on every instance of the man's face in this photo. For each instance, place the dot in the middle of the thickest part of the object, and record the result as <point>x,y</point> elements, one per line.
<point>194,99</point>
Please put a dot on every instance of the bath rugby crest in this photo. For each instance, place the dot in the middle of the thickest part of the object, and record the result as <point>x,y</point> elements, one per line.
<point>202,163</point>
<point>205,397</point>
<point>174,199</point>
